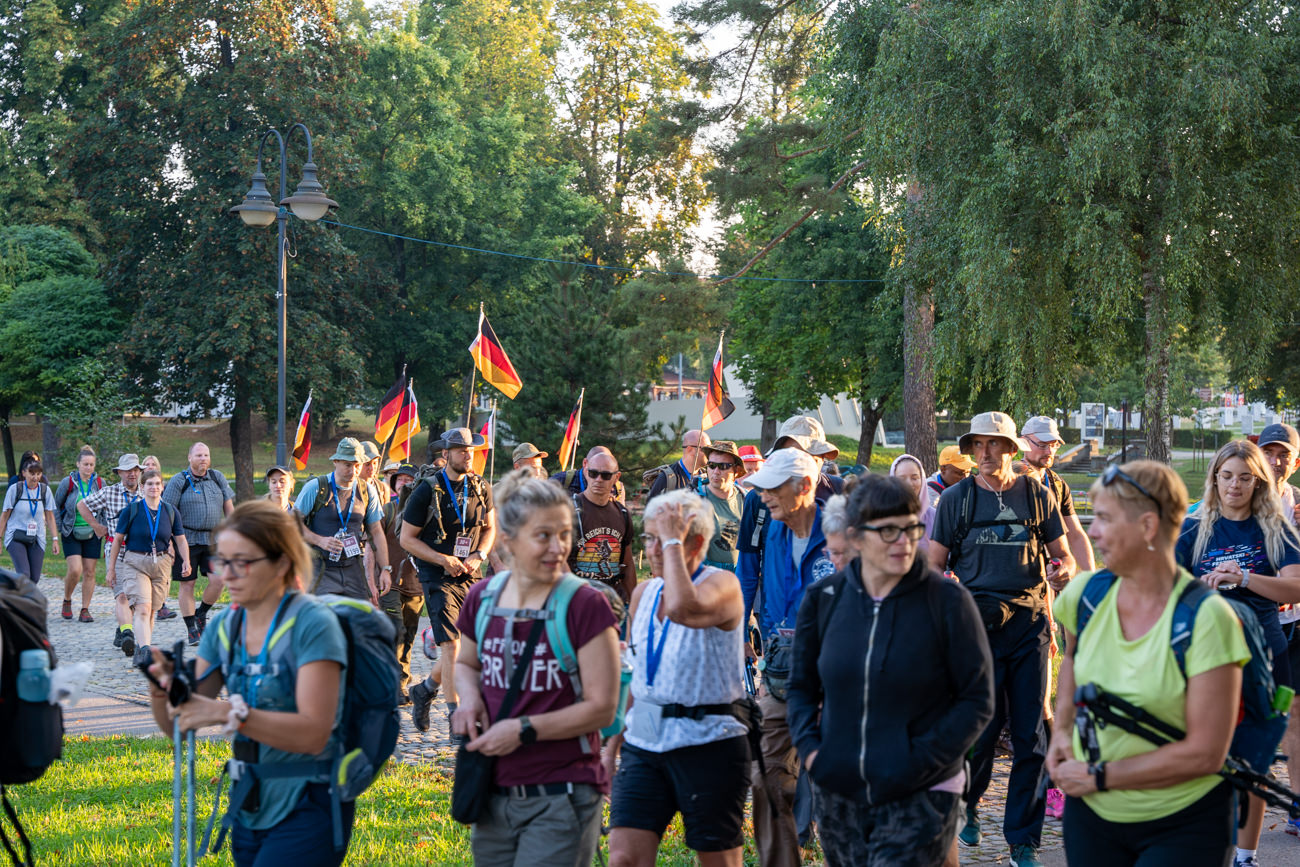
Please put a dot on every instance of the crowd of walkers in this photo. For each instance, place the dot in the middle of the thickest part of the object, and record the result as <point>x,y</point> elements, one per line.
<point>841,658</point>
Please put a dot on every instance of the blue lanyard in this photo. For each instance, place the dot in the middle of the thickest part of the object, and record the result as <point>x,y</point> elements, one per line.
<point>189,478</point>
<point>343,522</point>
<point>33,502</point>
<point>655,651</point>
<point>461,504</point>
<point>154,519</point>
<point>84,489</point>
<point>253,681</point>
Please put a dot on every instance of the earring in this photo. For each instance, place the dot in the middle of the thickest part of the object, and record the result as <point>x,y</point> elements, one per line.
<point>1150,547</point>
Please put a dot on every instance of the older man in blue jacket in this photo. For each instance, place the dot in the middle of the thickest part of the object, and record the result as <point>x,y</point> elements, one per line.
<point>794,558</point>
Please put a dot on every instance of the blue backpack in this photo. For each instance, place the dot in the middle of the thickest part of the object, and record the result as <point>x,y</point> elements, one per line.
<point>556,617</point>
<point>368,726</point>
<point>1261,722</point>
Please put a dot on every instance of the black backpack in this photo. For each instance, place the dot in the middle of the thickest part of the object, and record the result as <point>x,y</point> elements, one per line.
<point>31,733</point>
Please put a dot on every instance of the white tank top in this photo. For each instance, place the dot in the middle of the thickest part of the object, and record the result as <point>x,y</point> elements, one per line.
<point>697,667</point>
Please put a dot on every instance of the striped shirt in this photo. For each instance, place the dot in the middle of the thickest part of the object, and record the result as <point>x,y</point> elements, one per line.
<point>108,502</point>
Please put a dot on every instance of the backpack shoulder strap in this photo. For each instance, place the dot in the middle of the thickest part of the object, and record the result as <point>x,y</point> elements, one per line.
<point>321,501</point>
<point>965,518</point>
<point>1093,592</point>
<point>228,632</point>
<point>827,607</point>
<point>1184,619</point>
<point>486,602</point>
<point>557,626</point>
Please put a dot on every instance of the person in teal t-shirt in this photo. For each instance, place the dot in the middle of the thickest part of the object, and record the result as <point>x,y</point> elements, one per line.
<point>288,713</point>
<point>1140,803</point>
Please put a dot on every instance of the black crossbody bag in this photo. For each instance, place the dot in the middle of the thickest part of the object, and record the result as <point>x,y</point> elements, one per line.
<point>472,787</point>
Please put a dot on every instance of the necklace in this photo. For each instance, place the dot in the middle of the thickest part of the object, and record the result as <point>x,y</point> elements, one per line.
<point>997,492</point>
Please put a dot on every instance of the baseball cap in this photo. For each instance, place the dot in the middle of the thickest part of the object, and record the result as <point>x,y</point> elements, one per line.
<point>1042,427</point>
<point>1282,434</point>
<point>951,455</point>
<point>751,455</point>
<point>278,468</point>
<point>524,451</point>
<point>783,465</point>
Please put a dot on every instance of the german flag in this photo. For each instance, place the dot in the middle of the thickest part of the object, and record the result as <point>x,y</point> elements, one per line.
<point>491,359</point>
<point>408,425</point>
<point>717,405</point>
<point>570,442</point>
<point>478,463</point>
<point>390,408</point>
<point>302,439</point>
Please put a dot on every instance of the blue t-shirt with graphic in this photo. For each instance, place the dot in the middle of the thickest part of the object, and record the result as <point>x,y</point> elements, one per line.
<point>1240,542</point>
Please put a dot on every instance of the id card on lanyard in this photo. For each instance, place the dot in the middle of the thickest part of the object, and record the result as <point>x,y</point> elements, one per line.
<point>351,548</point>
<point>33,526</point>
<point>154,519</point>
<point>464,541</point>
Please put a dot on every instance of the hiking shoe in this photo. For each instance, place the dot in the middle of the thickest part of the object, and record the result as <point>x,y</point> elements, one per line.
<point>1025,855</point>
<point>67,609</point>
<point>117,638</point>
<point>1292,827</point>
<point>1248,861</point>
<point>143,654</point>
<point>403,697</point>
<point>970,833</point>
<point>421,698</point>
<point>165,613</point>
<point>193,635</point>
<point>201,621</point>
<point>128,642</point>
<point>85,617</point>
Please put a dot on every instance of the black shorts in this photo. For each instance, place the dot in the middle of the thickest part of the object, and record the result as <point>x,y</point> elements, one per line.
<point>1200,835</point>
<point>200,561</point>
<point>707,784</point>
<point>90,549</point>
<point>444,599</point>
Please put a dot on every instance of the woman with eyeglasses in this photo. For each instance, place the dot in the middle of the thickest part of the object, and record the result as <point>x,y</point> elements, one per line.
<point>891,684</point>
<point>1241,543</point>
<point>284,711</point>
<point>147,532</point>
<point>1128,801</point>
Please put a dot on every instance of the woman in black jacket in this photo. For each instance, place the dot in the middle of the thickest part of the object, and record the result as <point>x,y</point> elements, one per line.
<point>913,688</point>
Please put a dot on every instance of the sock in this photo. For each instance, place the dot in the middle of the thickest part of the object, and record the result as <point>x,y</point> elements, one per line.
<point>451,707</point>
<point>204,608</point>
<point>190,622</point>
<point>1243,854</point>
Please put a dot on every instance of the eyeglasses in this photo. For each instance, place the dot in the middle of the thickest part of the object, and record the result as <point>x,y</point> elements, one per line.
<point>649,540</point>
<point>1039,444</point>
<point>1246,480</point>
<point>239,565</point>
<point>713,465</point>
<point>601,474</point>
<point>1114,473</point>
<point>889,533</point>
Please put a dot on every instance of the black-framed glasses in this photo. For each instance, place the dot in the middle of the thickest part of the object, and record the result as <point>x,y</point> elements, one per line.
<point>1113,474</point>
<point>601,474</point>
<point>889,533</point>
<point>240,565</point>
<point>714,465</point>
<point>1039,444</point>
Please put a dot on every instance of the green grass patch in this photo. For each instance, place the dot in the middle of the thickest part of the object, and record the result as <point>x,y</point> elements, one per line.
<point>109,802</point>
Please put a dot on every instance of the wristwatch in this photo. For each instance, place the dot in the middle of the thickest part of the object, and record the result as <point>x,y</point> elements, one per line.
<point>527,734</point>
<point>388,569</point>
<point>1098,772</point>
<point>1245,579</point>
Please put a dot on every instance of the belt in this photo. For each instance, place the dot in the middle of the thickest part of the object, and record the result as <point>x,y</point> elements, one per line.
<point>699,711</point>
<point>537,791</point>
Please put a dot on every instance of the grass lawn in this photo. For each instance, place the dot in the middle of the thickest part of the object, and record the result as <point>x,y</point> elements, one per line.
<point>109,803</point>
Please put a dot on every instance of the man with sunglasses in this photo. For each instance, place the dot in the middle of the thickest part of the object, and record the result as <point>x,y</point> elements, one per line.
<point>995,531</point>
<point>681,474</point>
<point>575,481</point>
<point>602,539</point>
<point>1044,440</point>
<point>724,465</point>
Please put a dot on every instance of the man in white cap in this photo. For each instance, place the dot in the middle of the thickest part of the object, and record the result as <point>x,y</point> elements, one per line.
<point>1041,435</point>
<point>795,557</point>
<point>100,510</point>
<point>996,531</point>
<point>953,467</point>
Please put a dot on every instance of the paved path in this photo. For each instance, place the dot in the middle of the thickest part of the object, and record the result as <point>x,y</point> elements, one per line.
<point>115,702</point>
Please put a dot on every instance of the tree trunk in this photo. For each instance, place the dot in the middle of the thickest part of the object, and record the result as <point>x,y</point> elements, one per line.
<point>326,429</point>
<point>1159,336</point>
<point>7,435</point>
<point>872,412</point>
<point>50,443</point>
<point>919,430</point>
<point>767,433</point>
<point>241,440</point>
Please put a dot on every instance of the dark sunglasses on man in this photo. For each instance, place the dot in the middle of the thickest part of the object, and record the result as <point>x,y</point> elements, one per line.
<point>601,474</point>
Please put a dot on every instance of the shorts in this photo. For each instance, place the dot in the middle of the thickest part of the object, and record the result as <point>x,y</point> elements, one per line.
<point>707,784</point>
<point>914,831</point>
<point>90,549</point>
<point>200,561</point>
<point>443,600</point>
<point>143,580</point>
<point>343,577</point>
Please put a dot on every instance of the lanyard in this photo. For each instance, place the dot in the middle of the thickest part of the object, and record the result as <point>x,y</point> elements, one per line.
<point>192,482</point>
<point>130,497</point>
<point>655,651</point>
<point>34,502</point>
<point>462,504</point>
<point>84,489</point>
<point>154,519</point>
<point>255,680</point>
<point>352,495</point>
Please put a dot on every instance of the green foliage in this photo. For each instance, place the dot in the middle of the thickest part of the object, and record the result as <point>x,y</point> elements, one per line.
<point>89,411</point>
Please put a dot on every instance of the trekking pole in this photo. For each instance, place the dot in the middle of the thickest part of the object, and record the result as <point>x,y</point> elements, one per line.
<point>189,807</point>
<point>176,792</point>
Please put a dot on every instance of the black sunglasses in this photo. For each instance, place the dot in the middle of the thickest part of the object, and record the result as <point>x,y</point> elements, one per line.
<point>601,474</point>
<point>889,533</point>
<point>1113,474</point>
<point>714,465</point>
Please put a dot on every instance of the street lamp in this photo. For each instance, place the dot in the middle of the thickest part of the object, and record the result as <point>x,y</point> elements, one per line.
<point>258,209</point>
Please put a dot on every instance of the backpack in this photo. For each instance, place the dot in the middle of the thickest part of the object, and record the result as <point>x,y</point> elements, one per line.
<point>325,496</point>
<point>428,475</point>
<point>556,617</point>
<point>369,723</point>
<point>31,733</point>
<point>966,520</point>
<point>1262,719</point>
<point>649,476</point>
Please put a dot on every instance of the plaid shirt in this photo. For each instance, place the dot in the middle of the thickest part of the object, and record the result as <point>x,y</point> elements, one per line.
<point>108,502</point>
<point>201,503</point>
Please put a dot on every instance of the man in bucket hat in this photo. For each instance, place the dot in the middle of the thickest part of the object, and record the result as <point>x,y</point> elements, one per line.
<point>448,527</point>
<point>723,465</point>
<point>996,532</point>
<point>339,512</point>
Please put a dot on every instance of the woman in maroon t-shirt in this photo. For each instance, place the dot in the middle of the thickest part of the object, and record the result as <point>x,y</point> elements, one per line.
<point>549,780</point>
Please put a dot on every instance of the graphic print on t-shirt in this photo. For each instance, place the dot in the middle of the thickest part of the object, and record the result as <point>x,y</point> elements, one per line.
<point>544,672</point>
<point>1004,534</point>
<point>1250,556</point>
<point>599,553</point>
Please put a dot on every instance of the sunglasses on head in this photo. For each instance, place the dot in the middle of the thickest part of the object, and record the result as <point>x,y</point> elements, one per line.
<point>1114,474</point>
<point>714,465</point>
<point>601,474</point>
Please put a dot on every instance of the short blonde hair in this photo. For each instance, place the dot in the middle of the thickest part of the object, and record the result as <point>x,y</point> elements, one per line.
<point>1161,482</point>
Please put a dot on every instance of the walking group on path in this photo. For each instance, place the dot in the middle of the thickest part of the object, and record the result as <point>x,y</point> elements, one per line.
<point>840,658</point>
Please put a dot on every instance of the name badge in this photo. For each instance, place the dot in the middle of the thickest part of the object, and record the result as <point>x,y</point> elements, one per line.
<point>33,528</point>
<point>351,547</point>
<point>464,544</point>
<point>785,633</point>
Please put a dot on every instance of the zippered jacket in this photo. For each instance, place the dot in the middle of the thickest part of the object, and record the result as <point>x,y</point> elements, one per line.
<point>910,683</point>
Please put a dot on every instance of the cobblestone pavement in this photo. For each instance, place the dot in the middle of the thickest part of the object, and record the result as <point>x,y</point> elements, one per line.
<point>116,702</point>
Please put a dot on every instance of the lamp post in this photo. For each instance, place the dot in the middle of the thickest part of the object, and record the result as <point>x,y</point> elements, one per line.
<point>308,202</point>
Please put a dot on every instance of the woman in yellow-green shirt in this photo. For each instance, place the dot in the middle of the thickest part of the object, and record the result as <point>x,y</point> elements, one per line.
<point>1143,804</point>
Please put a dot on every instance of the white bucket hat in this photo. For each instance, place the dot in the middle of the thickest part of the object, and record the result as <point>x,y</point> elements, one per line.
<point>992,424</point>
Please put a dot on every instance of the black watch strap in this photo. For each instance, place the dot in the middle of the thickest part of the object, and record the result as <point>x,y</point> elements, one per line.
<point>527,734</point>
<point>1098,772</point>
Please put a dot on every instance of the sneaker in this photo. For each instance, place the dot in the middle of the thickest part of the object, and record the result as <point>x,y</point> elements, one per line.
<point>193,635</point>
<point>85,616</point>
<point>970,833</point>
<point>143,653</point>
<point>1250,861</point>
<point>128,642</point>
<point>67,609</point>
<point>201,621</point>
<point>421,697</point>
<point>1055,803</point>
<point>165,613</point>
<point>117,638</point>
<point>1025,855</point>
<point>1292,827</point>
<point>403,698</point>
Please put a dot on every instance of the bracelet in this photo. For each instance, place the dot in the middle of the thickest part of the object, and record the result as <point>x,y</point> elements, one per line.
<point>669,542</point>
<point>237,717</point>
<point>1245,580</point>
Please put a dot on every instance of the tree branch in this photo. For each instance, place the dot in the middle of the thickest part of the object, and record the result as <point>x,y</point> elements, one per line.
<point>813,150</point>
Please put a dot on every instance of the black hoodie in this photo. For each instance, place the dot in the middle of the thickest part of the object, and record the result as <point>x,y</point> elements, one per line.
<point>901,721</point>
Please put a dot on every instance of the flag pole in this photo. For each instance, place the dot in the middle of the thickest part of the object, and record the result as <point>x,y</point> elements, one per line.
<point>469,398</point>
<point>492,445</point>
<point>573,452</point>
